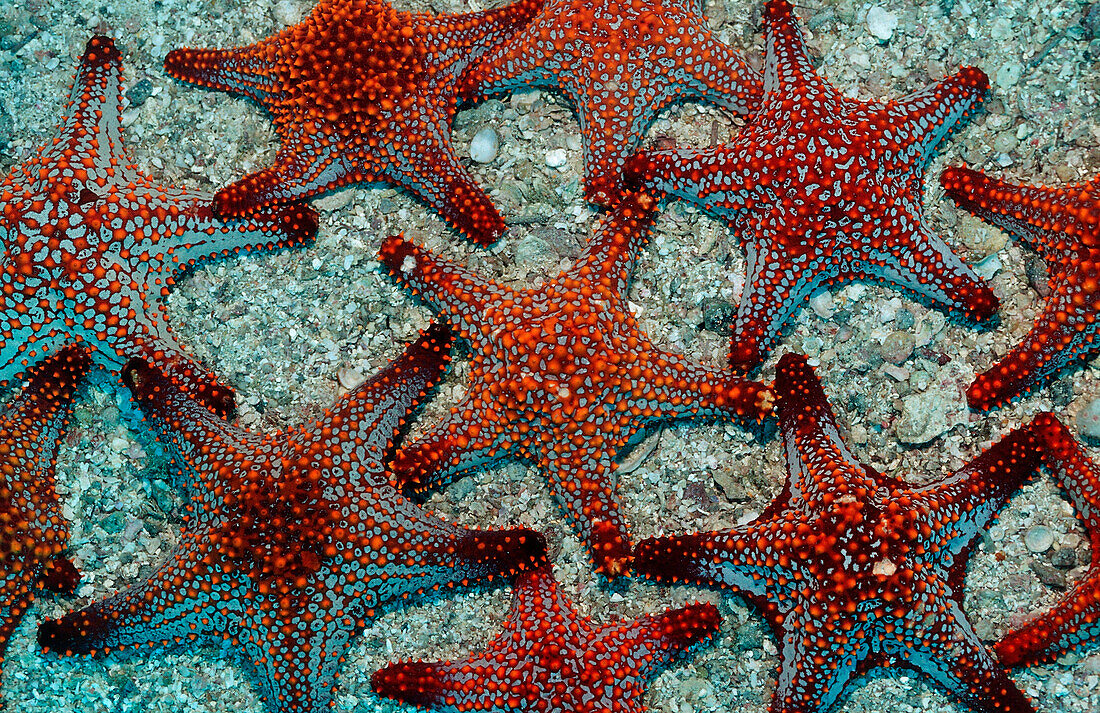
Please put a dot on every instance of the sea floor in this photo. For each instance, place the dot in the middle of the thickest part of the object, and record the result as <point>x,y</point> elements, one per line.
<point>291,331</point>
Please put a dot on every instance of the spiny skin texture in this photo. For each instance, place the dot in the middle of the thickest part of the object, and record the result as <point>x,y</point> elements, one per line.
<point>550,659</point>
<point>293,540</point>
<point>857,570</point>
<point>620,62</point>
<point>824,190</point>
<point>1075,618</point>
<point>361,92</point>
<point>92,245</point>
<point>33,533</point>
<point>562,376</point>
<point>1063,226</point>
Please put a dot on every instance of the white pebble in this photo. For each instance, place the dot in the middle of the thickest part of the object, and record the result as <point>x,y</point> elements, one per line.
<point>287,12</point>
<point>881,23</point>
<point>484,145</point>
<point>556,158</point>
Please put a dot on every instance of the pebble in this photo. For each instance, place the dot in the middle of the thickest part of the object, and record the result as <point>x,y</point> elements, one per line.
<point>718,316</point>
<point>1064,558</point>
<point>897,347</point>
<point>287,12</point>
<point>484,145</point>
<point>924,417</point>
<point>881,23</point>
<point>1048,574</point>
<point>1008,74</point>
<point>1088,420</point>
<point>1039,538</point>
<point>556,158</point>
<point>139,93</point>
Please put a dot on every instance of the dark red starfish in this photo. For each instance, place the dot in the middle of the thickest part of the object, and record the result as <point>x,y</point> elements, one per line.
<point>857,570</point>
<point>33,532</point>
<point>620,62</point>
<point>92,245</point>
<point>561,376</point>
<point>1063,226</point>
<point>361,92</point>
<point>293,540</point>
<point>552,660</point>
<point>1076,617</point>
<point>825,190</point>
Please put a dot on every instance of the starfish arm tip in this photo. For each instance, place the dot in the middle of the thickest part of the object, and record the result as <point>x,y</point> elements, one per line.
<point>77,633</point>
<point>414,682</point>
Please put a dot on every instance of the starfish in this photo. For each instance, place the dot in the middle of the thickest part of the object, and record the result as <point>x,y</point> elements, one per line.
<point>550,659</point>
<point>292,540</point>
<point>361,92</point>
<point>856,570</point>
<point>33,533</point>
<point>620,62</point>
<point>825,190</point>
<point>562,376</point>
<point>1075,618</point>
<point>1063,225</point>
<point>92,245</point>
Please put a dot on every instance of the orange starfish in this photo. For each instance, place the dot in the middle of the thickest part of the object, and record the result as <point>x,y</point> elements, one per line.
<point>361,92</point>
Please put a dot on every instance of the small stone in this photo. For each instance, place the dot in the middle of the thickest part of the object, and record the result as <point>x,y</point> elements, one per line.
<point>1008,75</point>
<point>1039,539</point>
<point>718,316</point>
<point>926,416</point>
<point>349,378</point>
<point>287,12</point>
<point>881,23</point>
<point>1064,558</point>
<point>731,486</point>
<point>556,158</point>
<point>1088,420</point>
<point>897,347</point>
<point>139,93</point>
<point>484,145</point>
<point>904,319</point>
<point>1048,575</point>
<point>822,304</point>
<point>1060,392</point>
<point>1037,275</point>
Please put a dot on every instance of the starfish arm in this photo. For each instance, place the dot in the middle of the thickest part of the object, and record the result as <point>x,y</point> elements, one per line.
<point>1050,220</point>
<point>254,71</point>
<point>819,464</point>
<point>423,161</point>
<point>949,651</point>
<point>955,511</point>
<point>94,112</point>
<point>1064,333</point>
<point>608,259</point>
<point>458,293</point>
<point>179,613</point>
<point>719,180</point>
<point>922,262</point>
<point>716,73</point>
<point>654,642</point>
<point>741,559</point>
<point>1075,618</point>
<point>787,68</point>
<point>469,438</point>
<point>158,346</point>
<point>923,119</point>
<point>365,423</point>
<point>677,388</point>
<point>811,678</point>
<point>474,32</point>
<point>499,679</point>
<point>303,168</point>
<point>205,236</point>
<point>582,479</point>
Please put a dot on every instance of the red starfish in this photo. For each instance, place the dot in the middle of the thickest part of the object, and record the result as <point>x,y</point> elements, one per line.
<point>92,245</point>
<point>1063,225</point>
<point>294,539</point>
<point>550,659</point>
<point>33,532</point>
<point>857,570</point>
<point>1076,616</point>
<point>361,92</point>
<point>620,62</point>
<point>562,376</point>
<point>826,190</point>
